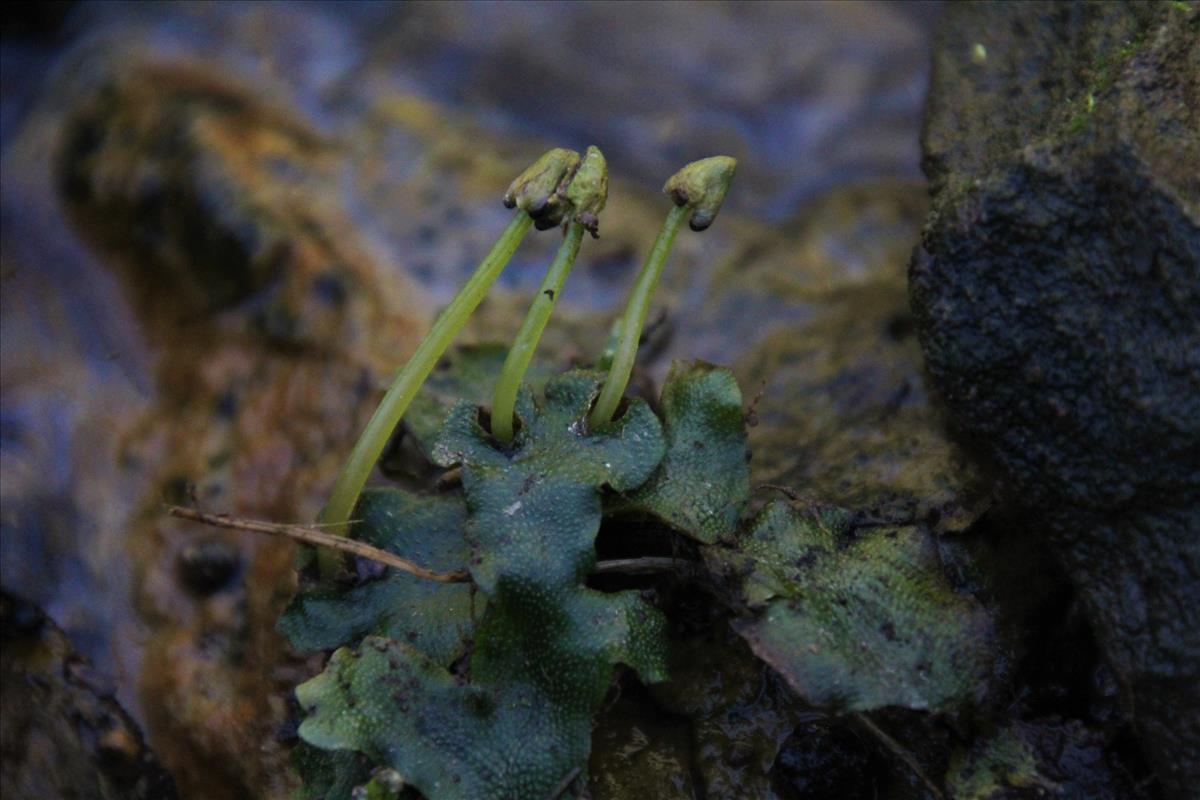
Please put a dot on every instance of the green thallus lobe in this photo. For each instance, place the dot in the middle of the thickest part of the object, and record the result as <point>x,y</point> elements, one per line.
<point>697,191</point>
<point>586,194</point>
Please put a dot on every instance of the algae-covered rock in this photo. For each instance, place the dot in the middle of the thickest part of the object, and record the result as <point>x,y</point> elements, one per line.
<point>814,319</point>
<point>211,193</point>
<point>845,416</point>
<point>1057,293</point>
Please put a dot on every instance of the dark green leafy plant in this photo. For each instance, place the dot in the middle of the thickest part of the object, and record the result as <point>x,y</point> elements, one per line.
<point>545,647</point>
<point>474,664</point>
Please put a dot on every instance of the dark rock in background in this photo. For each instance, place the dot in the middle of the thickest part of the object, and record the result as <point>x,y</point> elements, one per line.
<point>822,760</point>
<point>1058,284</point>
<point>163,163</point>
<point>1057,294</point>
<point>62,733</point>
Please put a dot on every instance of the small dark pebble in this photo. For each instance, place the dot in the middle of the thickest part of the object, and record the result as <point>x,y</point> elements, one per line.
<point>208,566</point>
<point>330,288</point>
<point>227,405</point>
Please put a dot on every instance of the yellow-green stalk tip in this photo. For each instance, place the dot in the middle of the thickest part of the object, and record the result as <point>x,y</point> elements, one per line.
<point>587,191</point>
<point>538,191</point>
<point>702,185</point>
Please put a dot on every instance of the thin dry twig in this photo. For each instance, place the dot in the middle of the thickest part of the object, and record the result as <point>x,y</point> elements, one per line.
<point>450,479</point>
<point>641,566</point>
<point>565,784</point>
<point>750,415</point>
<point>790,494</point>
<point>310,535</point>
<point>900,753</point>
<point>319,538</point>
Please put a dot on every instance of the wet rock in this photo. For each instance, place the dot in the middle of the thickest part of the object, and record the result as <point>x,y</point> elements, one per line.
<point>1042,758</point>
<point>639,752</point>
<point>208,194</point>
<point>845,415</point>
<point>740,712</point>
<point>146,164</point>
<point>61,732</point>
<point>245,408</point>
<point>1057,296</point>
<point>835,377</point>
<point>332,153</point>
<point>823,759</point>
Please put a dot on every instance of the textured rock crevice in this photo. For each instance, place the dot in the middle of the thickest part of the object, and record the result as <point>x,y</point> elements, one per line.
<point>1057,294</point>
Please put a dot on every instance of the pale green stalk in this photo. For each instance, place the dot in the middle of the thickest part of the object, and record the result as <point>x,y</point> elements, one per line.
<point>408,380</point>
<point>697,191</point>
<point>504,399</point>
<point>634,319</point>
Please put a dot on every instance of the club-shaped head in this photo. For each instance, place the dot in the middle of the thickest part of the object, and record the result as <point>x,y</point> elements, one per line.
<point>539,190</point>
<point>702,185</point>
<point>587,191</point>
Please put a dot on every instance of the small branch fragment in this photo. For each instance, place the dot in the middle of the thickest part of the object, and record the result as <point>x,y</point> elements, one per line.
<point>320,538</point>
<point>900,753</point>
<point>642,566</point>
<point>750,417</point>
<point>450,479</point>
<point>790,494</point>
<point>565,784</point>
